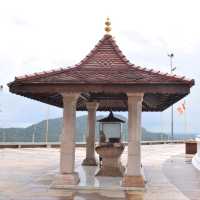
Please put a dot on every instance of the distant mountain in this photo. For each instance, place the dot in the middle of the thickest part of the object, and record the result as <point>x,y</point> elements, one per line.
<point>55,127</point>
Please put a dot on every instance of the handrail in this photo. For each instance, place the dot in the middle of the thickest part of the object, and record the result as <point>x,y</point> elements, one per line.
<point>78,144</point>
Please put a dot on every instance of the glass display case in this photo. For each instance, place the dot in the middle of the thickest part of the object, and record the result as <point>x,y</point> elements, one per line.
<point>111,126</point>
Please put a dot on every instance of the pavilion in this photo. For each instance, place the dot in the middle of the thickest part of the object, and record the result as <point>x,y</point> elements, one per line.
<point>104,80</point>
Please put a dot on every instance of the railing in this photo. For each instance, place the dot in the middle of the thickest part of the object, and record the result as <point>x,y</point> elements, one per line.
<point>78,144</point>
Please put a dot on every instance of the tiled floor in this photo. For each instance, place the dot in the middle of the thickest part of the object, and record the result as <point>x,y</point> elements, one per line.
<point>28,173</point>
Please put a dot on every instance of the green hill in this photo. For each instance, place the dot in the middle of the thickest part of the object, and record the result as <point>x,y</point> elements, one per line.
<point>55,128</point>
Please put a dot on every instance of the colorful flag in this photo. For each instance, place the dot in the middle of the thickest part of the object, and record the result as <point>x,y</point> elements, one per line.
<point>181,109</point>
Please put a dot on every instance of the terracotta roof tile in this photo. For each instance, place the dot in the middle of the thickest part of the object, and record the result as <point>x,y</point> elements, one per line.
<point>104,64</point>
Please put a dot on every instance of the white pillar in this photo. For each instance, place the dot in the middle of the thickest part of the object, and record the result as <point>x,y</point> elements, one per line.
<point>90,139</point>
<point>133,176</point>
<point>67,149</point>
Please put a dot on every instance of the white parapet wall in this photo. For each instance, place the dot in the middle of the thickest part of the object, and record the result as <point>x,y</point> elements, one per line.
<point>196,158</point>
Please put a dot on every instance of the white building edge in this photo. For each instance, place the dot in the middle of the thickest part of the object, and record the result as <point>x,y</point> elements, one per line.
<point>196,158</point>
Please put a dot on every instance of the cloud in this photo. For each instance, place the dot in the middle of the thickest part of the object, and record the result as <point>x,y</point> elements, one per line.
<point>21,22</point>
<point>42,35</point>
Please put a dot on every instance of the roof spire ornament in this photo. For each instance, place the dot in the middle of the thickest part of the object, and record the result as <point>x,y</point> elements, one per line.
<point>108,26</point>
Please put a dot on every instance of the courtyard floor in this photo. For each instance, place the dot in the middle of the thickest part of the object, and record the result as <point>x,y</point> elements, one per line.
<point>27,174</point>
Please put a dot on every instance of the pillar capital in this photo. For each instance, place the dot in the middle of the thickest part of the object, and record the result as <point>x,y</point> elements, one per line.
<point>135,97</point>
<point>70,97</point>
<point>92,105</point>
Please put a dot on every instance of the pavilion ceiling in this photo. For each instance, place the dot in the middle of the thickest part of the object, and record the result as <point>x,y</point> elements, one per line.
<point>108,102</point>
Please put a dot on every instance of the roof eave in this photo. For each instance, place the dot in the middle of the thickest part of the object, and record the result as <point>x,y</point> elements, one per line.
<point>182,82</point>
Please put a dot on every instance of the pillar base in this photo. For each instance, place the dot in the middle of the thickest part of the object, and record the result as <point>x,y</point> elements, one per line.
<point>134,195</point>
<point>89,162</point>
<point>65,179</point>
<point>111,171</point>
<point>133,181</point>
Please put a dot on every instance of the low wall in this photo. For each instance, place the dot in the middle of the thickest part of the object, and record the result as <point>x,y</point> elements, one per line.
<point>196,158</point>
<point>78,144</point>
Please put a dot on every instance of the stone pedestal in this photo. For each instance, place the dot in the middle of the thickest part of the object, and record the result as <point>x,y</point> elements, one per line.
<point>133,176</point>
<point>196,158</point>
<point>67,150</point>
<point>111,163</point>
<point>90,139</point>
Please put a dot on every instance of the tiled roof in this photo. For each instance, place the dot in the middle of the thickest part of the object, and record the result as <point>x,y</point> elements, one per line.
<point>105,64</point>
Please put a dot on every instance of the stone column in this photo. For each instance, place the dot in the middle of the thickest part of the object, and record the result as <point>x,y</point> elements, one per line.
<point>90,139</point>
<point>67,149</point>
<point>133,176</point>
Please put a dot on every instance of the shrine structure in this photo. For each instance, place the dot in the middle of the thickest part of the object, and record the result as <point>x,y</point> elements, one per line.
<point>104,80</point>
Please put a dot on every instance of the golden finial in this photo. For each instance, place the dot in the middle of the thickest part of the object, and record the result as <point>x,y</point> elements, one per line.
<point>108,27</point>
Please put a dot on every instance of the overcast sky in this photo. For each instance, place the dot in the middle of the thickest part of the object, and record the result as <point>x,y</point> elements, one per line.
<point>42,35</point>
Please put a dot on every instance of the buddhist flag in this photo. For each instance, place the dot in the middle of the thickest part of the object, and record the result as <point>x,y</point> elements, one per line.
<point>181,108</point>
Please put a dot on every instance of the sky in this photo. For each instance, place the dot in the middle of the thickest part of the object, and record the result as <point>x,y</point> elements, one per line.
<point>37,35</point>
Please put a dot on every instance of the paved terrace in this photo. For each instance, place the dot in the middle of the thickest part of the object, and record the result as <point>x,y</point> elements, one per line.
<point>27,173</point>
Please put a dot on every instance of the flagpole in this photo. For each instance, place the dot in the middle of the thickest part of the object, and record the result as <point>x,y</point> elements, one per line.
<point>172,122</point>
<point>3,131</point>
<point>47,127</point>
<point>33,136</point>
<point>161,127</point>
<point>172,107</point>
<point>185,118</point>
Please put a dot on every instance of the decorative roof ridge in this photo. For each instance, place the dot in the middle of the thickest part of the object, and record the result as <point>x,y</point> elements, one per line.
<point>60,70</point>
<point>115,46</point>
<point>119,51</point>
<point>43,73</point>
<point>91,53</point>
<point>174,76</point>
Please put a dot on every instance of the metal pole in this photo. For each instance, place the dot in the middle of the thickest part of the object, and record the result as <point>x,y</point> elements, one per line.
<point>4,136</point>
<point>1,89</point>
<point>47,126</point>
<point>172,108</point>
<point>172,122</point>
<point>185,118</point>
<point>3,131</point>
<point>33,136</point>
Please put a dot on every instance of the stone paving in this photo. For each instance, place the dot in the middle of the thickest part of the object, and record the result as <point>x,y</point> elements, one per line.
<point>27,174</point>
